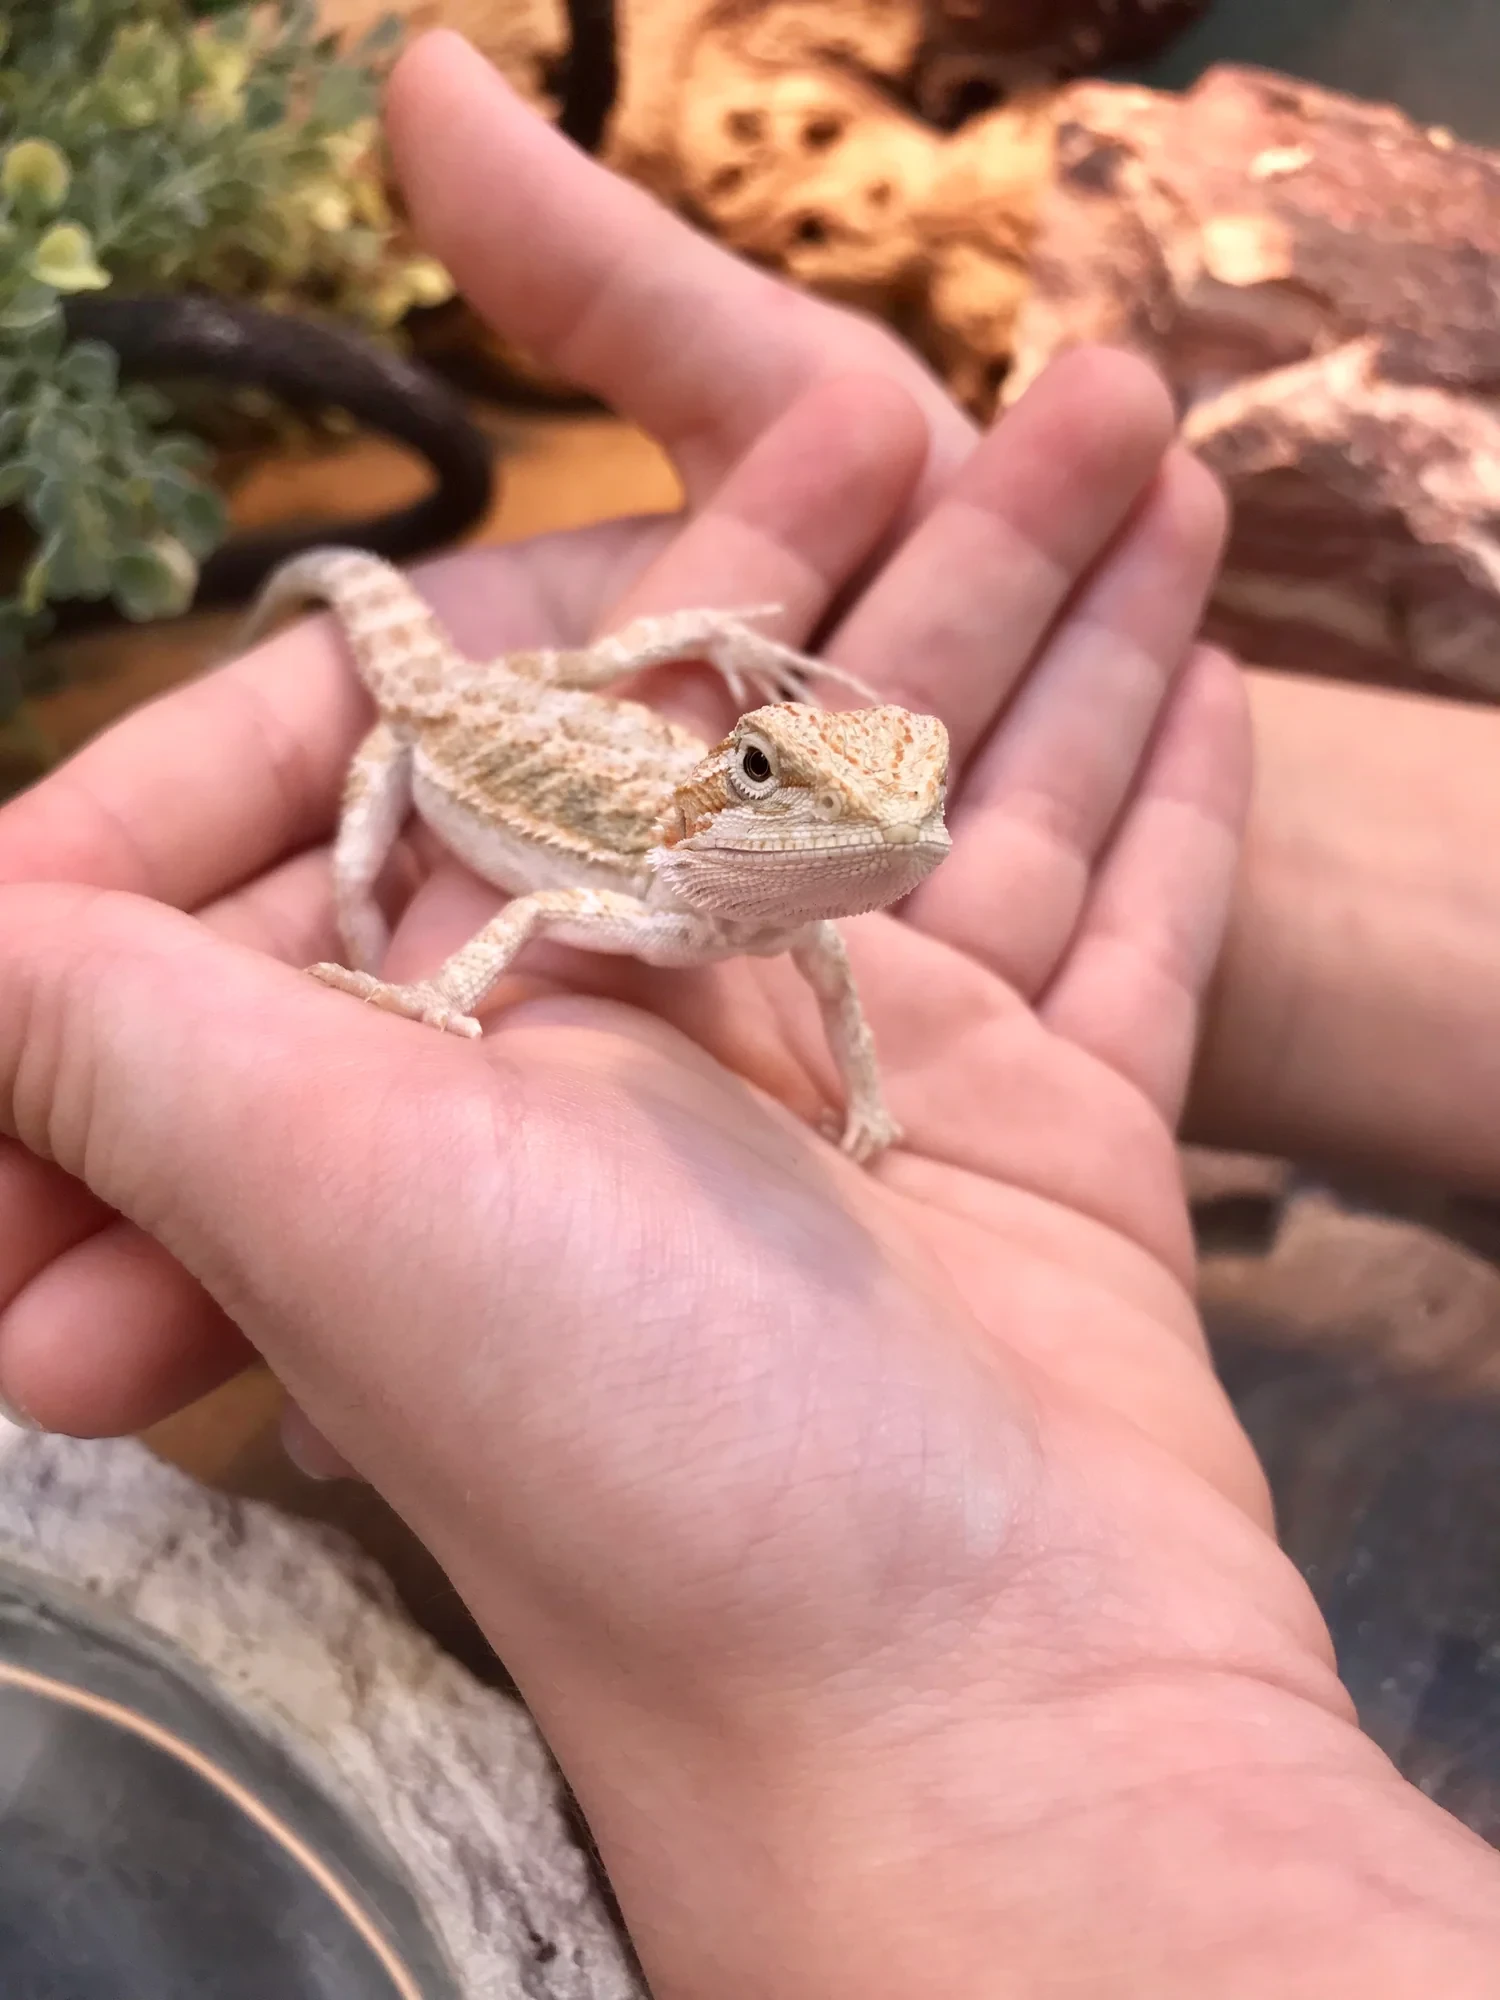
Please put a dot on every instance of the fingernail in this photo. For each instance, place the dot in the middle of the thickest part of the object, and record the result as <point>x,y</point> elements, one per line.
<point>12,1414</point>
<point>307,1451</point>
<point>291,1448</point>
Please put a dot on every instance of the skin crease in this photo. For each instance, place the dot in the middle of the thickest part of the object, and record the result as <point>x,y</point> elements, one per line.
<point>877,1550</point>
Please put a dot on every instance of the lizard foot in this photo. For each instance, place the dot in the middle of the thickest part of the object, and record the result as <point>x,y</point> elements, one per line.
<point>419,1002</point>
<point>863,1135</point>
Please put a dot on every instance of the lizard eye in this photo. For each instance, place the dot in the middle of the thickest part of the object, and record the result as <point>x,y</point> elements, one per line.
<point>752,768</point>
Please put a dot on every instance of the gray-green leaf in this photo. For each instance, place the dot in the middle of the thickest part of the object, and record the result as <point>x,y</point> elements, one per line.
<point>154,579</point>
<point>30,307</point>
<point>90,369</point>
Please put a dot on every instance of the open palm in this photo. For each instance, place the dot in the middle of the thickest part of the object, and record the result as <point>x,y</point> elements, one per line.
<point>591,1293</point>
<point>1034,1004</point>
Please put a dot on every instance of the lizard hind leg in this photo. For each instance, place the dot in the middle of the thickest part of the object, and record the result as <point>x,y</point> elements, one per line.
<point>377,799</point>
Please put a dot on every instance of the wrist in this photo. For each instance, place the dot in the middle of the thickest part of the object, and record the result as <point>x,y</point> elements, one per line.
<point>1364,946</point>
<point>1191,1836</point>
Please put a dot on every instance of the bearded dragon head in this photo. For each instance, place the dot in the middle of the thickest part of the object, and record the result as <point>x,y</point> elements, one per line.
<point>802,813</point>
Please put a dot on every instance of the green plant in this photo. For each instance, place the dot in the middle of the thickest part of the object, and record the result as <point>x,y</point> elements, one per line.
<point>145,147</point>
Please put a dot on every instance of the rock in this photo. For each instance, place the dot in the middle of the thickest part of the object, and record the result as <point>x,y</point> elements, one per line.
<point>691,67</point>
<point>303,1635</point>
<point>1365,542</point>
<point>976,53</point>
<point>1362,1354</point>
<point>525,39</point>
<point>976,220</point>
<point>1387,1498</point>
<point>1396,1293</point>
<point>1254,221</point>
<point>1236,1198</point>
<point>808,134</point>
<point>1319,278</point>
<point>949,58</point>
<point>814,137</point>
<point>808,168</point>
<point>1210,1176</point>
<point>1320,281</point>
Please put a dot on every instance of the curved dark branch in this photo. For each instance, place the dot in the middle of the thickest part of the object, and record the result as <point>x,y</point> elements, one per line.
<point>312,367</point>
<point>590,79</point>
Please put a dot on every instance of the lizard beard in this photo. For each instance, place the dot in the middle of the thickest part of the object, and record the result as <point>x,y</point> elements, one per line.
<point>797,885</point>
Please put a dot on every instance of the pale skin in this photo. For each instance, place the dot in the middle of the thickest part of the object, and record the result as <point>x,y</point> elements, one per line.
<point>876,1549</point>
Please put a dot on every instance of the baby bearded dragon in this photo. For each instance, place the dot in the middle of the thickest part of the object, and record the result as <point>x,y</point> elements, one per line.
<point>612,828</point>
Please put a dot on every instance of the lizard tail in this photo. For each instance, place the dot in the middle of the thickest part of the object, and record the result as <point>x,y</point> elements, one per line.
<point>404,656</point>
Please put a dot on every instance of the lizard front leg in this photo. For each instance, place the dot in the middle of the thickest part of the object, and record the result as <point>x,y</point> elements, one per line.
<point>377,799</point>
<point>822,958</point>
<point>747,661</point>
<point>595,919</point>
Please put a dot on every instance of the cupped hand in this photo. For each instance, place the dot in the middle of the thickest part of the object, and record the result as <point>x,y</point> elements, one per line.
<point>683,1401</point>
<point>1048,978</point>
<point>616,1202</point>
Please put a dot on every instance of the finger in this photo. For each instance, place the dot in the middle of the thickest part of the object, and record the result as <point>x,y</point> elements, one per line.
<point>49,1258</point>
<point>43,1213</point>
<point>113,1336</point>
<point>132,1041</point>
<point>288,913</point>
<point>789,526</point>
<point>598,280</point>
<point>1131,989</point>
<point>200,788</point>
<point>1038,803</point>
<point>300,1156</point>
<point>308,1449</point>
<point>953,622</point>
<point>101,1331</point>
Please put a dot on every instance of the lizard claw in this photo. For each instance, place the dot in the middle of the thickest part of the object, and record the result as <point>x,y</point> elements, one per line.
<point>755,614</point>
<point>863,1135</point>
<point>418,1002</point>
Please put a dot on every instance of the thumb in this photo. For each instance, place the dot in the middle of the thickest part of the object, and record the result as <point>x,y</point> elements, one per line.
<point>275,1138</point>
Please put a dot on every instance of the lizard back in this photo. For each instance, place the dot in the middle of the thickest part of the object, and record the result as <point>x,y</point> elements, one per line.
<point>554,783</point>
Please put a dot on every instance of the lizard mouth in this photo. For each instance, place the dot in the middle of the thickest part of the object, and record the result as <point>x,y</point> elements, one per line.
<point>913,844</point>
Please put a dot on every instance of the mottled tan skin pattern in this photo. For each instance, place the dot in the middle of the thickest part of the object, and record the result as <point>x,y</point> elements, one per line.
<point>868,763</point>
<point>613,829</point>
<point>601,803</point>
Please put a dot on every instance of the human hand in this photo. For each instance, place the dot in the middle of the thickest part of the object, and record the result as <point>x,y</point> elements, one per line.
<point>798,1499</point>
<point>218,800</point>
